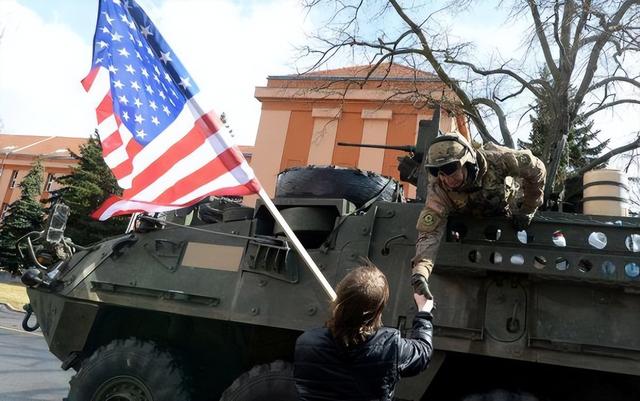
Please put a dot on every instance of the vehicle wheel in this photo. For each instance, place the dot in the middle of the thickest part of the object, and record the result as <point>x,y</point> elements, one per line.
<point>270,382</point>
<point>354,185</point>
<point>501,395</point>
<point>129,370</point>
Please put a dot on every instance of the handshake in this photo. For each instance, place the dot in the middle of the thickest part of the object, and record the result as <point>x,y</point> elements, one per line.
<point>422,295</point>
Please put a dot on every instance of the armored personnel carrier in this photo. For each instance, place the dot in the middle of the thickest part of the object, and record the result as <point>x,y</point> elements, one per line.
<point>207,303</point>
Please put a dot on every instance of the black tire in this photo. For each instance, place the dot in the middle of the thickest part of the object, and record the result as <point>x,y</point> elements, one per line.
<point>134,370</point>
<point>270,382</point>
<point>354,185</point>
<point>501,395</point>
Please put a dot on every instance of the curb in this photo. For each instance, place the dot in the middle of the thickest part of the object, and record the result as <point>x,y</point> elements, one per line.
<point>11,308</point>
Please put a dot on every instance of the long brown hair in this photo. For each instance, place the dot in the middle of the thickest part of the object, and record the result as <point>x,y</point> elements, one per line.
<point>356,313</point>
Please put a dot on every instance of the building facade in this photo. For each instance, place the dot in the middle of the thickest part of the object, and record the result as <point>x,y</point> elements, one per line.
<point>303,117</point>
<point>19,152</point>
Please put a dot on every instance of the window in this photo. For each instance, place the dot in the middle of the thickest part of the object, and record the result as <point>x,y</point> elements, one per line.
<point>14,179</point>
<point>50,182</point>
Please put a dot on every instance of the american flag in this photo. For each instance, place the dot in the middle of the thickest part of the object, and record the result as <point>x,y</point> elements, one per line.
<point>165,152</point>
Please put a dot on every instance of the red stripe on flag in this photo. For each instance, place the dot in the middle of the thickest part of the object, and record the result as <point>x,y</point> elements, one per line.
<point>88,80</point>
<point>105,108</point>
<point>222,164</point>
<point>105,205</point>
<point>178,151</point>
<point>110,143</point>
<point>250,187</point>
<point>126,167</point>
<point>209,122</point>
<point>122,170</point>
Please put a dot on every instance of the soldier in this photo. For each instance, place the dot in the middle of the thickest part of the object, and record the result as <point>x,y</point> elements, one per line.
<point>474,182</point>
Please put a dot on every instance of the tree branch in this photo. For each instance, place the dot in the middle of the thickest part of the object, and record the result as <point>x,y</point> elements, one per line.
<point>592,64</point>
<point>539,28</point>
<point>608,80</point>
<point>502,120</point>
<point>504,71</point>
<point>607,105</point>
<point>428,54</point>
<point>596,162</point>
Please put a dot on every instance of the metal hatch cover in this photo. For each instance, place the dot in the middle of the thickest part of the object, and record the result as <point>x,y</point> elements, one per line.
<point>505,314</point>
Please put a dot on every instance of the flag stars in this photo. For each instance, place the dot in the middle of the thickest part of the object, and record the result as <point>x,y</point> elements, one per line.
<point>138,56</point>
<point>156,69</point>
<point>123,99</point>
<point>131,38</point>
<point>166,110</point>
<point>185,82</point>
<point>116,2</point>
<point>155,78</point>
<point>108,18</point>
<point>102,44</point>
<point>165,57</point>
<point>125,115</point>
<point>116,37</point>
<point>144,72</point>
<point>113,68</point>
<point>167,77</point>
<point>123,52</point>
<point>105,30</point>
<point>153,105</point>
<point>146,31</point>
<point>162,95</point>
<point>155,121</point>
<point>149,89</point>
<point>137,102</point>
<point>118,84</point>
<point>130,69</point>
<point>99,60</point>
<point>139,119</point>
<point>140,134</point>
<point>135,85</point>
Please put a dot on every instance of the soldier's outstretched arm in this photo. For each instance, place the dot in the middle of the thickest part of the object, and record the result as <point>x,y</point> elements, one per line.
<point>533,174</point>
<point>431,226</point>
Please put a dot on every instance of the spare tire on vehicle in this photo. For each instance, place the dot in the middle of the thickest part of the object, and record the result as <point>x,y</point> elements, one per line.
<point>356,186</point>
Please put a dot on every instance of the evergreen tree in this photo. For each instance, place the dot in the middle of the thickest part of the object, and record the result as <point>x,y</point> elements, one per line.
<point>579,150</point>
<point>24,215</point>
<point>89,184</point>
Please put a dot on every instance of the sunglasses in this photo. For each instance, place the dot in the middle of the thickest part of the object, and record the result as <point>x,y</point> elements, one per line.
<point>446,169</point>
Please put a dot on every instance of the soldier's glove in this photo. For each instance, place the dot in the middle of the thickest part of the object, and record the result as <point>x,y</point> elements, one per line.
<point>521,221</point>
<point>420,285</point>
<point>408,169</point>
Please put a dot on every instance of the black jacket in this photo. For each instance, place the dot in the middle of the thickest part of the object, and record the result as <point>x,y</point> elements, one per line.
<point>327,371</point>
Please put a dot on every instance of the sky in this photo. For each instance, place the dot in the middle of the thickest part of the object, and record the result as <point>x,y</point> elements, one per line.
<point>228,46</point>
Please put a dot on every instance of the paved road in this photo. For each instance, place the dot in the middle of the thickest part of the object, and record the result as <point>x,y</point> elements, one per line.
<point>28,372</point>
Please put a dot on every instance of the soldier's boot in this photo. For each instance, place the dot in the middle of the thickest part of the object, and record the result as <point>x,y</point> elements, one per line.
<point>420,278</point>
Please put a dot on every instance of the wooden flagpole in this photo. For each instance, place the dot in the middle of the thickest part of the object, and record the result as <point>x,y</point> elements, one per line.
<point>297,245</point>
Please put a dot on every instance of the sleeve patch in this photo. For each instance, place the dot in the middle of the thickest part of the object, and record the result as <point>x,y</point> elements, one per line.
<point>428,220</point>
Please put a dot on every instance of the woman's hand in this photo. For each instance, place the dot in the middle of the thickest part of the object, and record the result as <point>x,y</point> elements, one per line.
<point>424,304</point>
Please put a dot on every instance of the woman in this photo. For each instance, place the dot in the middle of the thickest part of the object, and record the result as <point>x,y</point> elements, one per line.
<point>354,358</point>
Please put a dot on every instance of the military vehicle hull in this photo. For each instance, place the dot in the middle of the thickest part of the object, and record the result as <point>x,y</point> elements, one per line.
<point>515,313</point>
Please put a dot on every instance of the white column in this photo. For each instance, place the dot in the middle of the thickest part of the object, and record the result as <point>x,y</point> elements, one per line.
<point>376,124</point>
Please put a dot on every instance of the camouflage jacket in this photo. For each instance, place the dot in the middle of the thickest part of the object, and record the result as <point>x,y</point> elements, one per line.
<point>491,192</point>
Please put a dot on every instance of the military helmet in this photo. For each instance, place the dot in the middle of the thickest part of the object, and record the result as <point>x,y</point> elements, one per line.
<point>450,148</point>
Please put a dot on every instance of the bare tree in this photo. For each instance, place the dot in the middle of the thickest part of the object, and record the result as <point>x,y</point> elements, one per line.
<point>587,46</point>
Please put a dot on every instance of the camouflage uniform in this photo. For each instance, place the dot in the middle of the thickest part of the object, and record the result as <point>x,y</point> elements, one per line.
<point>491,192</point>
